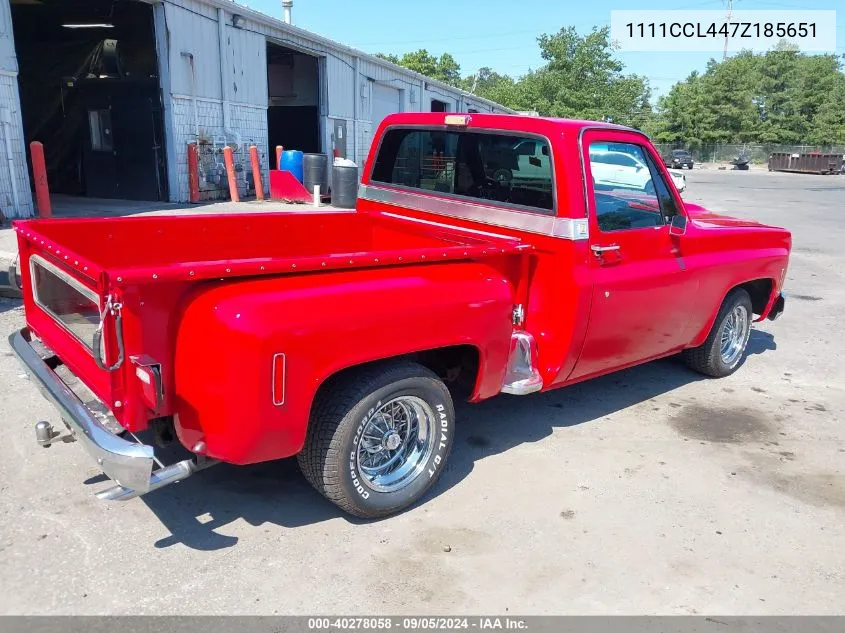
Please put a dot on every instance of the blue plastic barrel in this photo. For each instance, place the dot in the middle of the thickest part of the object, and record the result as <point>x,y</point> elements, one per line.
<point>292,162</point>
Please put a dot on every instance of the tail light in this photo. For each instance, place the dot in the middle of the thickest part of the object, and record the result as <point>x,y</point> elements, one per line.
<point>148,374</point>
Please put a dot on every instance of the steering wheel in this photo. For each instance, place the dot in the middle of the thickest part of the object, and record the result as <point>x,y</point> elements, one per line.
<point>489,189</point>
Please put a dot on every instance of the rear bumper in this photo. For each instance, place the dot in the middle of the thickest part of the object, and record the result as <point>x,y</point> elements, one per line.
<point>777,308</point>
<point>128,463</point>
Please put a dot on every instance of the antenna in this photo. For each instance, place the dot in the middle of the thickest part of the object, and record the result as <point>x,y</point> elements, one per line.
<point>729,6</point>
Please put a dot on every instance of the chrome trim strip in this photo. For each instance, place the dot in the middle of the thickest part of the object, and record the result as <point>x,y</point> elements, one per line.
<point>279,401</point>
<point>450,227</point>
<point>65,277</point>
<point>128,463</point>
<point>493,131</point>
<point>37,260</point>
<point>564,228</point>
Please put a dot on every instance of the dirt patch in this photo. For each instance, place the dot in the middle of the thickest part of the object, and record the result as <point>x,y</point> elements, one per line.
<point>818,489</point>
<point>459,540</point>
<point>805,297</point>
<point>721,425</point>
<point>567,514</point>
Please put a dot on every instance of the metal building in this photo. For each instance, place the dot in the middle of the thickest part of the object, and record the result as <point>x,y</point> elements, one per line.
<point>117,89</point>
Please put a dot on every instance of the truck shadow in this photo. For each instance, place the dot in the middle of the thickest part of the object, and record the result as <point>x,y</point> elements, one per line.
<point>277,494</point>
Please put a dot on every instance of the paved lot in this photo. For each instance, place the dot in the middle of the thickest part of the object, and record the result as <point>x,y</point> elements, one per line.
<point>650,491</point>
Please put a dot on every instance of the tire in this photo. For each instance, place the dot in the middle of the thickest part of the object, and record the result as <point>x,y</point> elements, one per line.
<point>710,358</point>
<point>342,440</point>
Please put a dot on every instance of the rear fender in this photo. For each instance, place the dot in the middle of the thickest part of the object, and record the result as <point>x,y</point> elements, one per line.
<point>322,323</point>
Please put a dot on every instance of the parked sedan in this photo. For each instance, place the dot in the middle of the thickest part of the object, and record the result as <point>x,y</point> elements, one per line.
<point>679,179</point>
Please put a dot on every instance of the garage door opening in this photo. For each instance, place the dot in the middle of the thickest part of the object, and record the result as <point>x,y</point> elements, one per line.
<point>293,113</point>
<point>90,93</point>
<point>386,100</point>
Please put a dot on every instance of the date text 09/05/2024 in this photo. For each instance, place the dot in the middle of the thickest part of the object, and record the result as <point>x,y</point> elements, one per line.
<point>417,624</point>
<point>748,30</point>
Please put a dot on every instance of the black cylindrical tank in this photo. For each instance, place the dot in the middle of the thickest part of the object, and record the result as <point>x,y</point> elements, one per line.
<point>344,186</point>
<point>315,171</point>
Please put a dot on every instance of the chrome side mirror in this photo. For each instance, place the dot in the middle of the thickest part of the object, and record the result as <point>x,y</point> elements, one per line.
<point>678,225</point>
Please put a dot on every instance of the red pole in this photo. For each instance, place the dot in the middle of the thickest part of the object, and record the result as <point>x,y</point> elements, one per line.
<point>193,172</point>
<point>256,173</point>
<point>229,159</point>
<point>279,150</point>
<point>39,173</point>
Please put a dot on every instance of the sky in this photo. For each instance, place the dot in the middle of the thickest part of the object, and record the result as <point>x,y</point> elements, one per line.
<point>502,34</point>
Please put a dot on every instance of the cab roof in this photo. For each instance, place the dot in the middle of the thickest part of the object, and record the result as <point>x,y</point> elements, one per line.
<point>501,121</point>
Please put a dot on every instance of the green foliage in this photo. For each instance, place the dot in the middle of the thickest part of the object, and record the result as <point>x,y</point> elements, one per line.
<point>444,68</point>
<point>781,96</point>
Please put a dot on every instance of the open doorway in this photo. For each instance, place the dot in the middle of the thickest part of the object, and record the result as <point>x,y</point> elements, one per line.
<point>439,106</point>
<point>293,113</point>
<point>90,93</point>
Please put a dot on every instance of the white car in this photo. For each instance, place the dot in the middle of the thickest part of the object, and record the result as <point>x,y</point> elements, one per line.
<point>618,169</point>
<point>679,179</point>
<point>612,169</point>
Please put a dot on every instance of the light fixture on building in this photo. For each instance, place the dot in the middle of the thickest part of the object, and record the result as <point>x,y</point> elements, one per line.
<point>238,21</point>
<point>88,26</point>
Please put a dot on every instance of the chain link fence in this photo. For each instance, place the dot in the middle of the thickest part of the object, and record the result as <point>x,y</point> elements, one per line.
<point>757,154</point>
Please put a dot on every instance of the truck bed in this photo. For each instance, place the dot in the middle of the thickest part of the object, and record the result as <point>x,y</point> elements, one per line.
<point>159,248</point>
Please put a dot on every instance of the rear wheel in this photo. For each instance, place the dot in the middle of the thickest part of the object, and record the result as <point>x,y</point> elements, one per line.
<point>379,438</point>
<point>724,350</point>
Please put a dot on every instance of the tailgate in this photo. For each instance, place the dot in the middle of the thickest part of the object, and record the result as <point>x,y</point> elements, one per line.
<point>69,308</point>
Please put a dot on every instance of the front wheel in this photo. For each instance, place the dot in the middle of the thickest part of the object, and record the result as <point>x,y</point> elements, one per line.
<point>379,438</point>
<point>724,350</point>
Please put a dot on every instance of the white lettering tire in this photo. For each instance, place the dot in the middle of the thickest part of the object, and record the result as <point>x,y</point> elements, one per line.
<point>379,438</point>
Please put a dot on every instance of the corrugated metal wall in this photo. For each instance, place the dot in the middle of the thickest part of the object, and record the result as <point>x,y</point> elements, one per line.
<point>11,127</point>
<point>192,27</point>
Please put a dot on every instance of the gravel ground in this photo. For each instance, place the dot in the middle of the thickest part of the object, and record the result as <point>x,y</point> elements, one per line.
<point>650,491</point>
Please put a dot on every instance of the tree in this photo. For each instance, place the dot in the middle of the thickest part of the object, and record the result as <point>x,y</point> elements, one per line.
<point>444,68</point>
<point>582,79</point>
<point>781,96</point>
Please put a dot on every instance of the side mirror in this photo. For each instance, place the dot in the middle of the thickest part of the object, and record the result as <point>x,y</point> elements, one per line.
<point>678,225</point>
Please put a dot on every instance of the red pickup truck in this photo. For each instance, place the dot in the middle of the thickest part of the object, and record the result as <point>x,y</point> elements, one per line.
<point>487,254</point>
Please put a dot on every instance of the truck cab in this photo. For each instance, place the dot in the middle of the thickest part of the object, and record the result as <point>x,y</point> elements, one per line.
<point>488,254</point>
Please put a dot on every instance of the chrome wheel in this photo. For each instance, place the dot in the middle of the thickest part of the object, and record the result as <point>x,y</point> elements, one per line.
<point>396,443</point>
<point>734,335</point>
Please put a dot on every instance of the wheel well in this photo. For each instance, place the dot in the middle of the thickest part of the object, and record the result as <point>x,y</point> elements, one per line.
<point>456,365</point>
<point>760,291</point>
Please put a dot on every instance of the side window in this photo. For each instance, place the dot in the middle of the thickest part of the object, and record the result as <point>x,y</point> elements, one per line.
<point>499,168</point>
<point>628,190</point>
<point>421,159</point>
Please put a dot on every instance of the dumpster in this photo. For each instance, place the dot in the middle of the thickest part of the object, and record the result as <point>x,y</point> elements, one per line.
<point>807,163</point>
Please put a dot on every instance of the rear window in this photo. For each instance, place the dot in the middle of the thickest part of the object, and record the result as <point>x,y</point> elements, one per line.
<point>70,303</point>
<point>505,169</point>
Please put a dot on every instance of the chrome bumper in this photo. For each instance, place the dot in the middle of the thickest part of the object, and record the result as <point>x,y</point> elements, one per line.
<point>522,375</point>
<point>128,463</point>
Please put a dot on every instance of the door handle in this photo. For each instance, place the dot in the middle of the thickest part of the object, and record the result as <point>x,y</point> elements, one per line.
<point>598,250</point>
